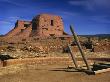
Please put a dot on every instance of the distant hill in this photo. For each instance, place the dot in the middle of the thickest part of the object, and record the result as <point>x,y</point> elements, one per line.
<point>100,36</point>
<point>1,35</point>
<point>103,35</point>
<point>97,35</point>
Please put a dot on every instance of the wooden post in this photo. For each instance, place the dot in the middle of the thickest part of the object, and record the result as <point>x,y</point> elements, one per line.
<point>73,57</point>
<point>80,48</point>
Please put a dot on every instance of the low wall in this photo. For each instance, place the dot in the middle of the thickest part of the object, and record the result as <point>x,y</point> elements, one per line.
<point>49,60</point>
<point>43,60</point>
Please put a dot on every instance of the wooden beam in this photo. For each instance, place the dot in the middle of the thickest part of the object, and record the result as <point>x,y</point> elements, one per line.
<point>73,56</point>
<point>80,48</point>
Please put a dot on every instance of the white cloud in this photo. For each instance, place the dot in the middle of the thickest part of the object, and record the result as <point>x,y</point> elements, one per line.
<point>101,2</point>
<point>86,4</point>
<point>12,2</point>
<point>69,13</point>
<point>9,20</point>
<point>91,4</point>
<point>99,19</point>
<point>77,3</point>
<point>12,19</point>
<point>4,22</point>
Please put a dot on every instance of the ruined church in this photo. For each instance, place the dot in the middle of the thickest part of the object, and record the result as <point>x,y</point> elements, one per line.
<point>43,25</point>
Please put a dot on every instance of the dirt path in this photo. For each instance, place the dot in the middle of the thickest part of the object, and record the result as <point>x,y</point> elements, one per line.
<point>52,73</point>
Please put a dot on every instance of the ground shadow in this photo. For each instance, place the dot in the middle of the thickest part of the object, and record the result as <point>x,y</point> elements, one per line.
<point>68,69</point>
<point>94,68</point>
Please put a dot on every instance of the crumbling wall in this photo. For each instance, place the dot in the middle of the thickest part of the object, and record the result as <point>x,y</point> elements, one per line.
<point>102,46</point>
<point>20,26</point>
<point>21,30</point>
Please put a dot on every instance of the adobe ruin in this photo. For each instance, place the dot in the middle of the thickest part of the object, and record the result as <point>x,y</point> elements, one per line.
<point>41,25</point>
<point>47,25</point>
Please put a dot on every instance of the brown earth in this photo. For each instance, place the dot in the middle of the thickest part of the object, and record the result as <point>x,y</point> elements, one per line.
<point>52,73</point>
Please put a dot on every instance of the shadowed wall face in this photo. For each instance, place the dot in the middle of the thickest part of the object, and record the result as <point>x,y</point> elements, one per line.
<point>47,25</point>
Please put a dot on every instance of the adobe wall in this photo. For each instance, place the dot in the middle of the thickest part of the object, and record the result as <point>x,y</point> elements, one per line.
<point>43,60</point>
<point>47,25</point>
<point>19,27</point>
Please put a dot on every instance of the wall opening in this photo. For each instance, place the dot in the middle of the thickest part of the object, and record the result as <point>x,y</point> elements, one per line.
<point>26,25</point>
<point>22,30</point>
<point>52,34</point>
<point>34,25</point>
<point>52,23</point>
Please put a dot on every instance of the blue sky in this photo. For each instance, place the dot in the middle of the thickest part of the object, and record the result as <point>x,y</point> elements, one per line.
<point>87,16</point>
